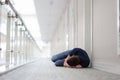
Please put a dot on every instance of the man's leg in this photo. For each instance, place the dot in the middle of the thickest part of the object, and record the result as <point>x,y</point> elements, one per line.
<point>59,63</point>
<point>60,56</point>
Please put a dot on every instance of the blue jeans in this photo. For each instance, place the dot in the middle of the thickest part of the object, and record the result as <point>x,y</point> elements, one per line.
<point>58,59</point>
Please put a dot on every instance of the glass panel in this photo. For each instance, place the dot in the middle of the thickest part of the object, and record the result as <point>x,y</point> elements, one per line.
<point>3,26</point>
<point>16,44</point>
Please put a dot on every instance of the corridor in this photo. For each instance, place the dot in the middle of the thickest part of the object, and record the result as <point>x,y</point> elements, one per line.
<point>32,31</point>
<point>44,69</point>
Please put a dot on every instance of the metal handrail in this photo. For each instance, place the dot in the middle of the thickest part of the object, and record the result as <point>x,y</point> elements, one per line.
<point>18,16</point>
<point>0,2</point>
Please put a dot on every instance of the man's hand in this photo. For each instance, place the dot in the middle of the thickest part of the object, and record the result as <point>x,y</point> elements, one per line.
<point>65,61</point>
<point>78,66</point>
<point>65,64</point>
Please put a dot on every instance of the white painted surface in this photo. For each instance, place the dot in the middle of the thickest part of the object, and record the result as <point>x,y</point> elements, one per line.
<point>105,34</point>
<point>49,13</point>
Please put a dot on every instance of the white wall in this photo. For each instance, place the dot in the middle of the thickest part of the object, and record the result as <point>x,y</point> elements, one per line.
<point>71,24</point>
<point>81,23</point>
<point>105,36</point>
<point>88,27</point>
<point>76,22</point>
<point>58,42</point>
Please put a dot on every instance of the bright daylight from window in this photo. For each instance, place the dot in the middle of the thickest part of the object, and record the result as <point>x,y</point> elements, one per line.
<point>27,11</point>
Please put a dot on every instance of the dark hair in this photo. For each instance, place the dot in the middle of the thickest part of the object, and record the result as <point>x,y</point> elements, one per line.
<point>73,61</point>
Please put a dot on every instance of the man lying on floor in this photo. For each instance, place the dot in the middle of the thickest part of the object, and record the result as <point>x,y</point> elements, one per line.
<point>75,58</point>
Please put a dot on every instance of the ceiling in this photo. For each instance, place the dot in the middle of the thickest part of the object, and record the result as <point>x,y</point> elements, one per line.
<point>49,13</point>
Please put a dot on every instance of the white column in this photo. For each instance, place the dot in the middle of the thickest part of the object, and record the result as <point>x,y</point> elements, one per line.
<point>0,31</point>
<point>27,47</point>
<point>19,45</point>
<point>24,47</point>
<point>8,41</point>
<point>21,51</point>
<point>88,27</point>
<point>81,23</point>
<point>12,41</point>
<point>16,44</point>
<point>75,23</point>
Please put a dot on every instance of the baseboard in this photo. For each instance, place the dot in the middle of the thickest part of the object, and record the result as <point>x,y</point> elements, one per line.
<point>112,68</point>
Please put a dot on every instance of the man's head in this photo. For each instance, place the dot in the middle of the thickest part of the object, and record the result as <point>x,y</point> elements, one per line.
<point>73,60</point>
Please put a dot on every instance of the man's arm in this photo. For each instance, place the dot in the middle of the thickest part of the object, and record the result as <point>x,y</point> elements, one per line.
<point>67,65</point>
<point>65,61</point>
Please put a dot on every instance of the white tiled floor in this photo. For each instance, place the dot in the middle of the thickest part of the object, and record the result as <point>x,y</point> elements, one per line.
<point>44,69</point>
